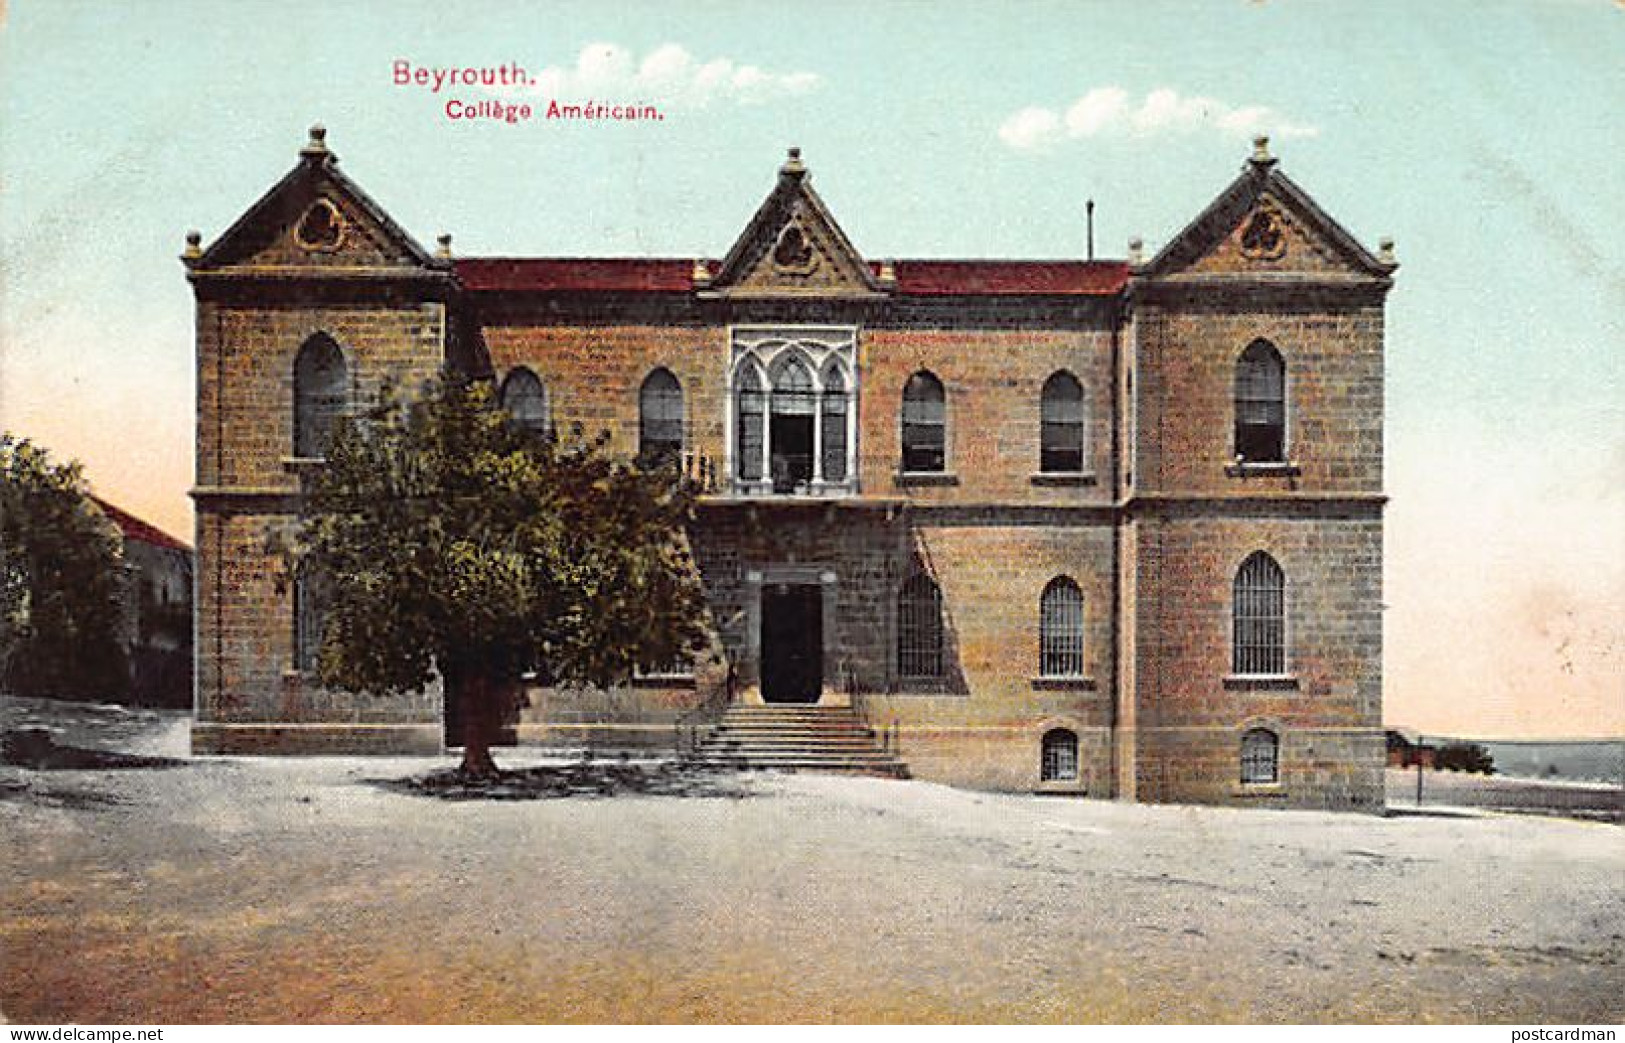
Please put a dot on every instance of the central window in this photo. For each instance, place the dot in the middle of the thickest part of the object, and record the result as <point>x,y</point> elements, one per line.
<point>794,421</point>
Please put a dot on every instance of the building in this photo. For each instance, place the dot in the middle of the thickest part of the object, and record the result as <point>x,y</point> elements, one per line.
<point>1107,527</point>
<point>157,625</point>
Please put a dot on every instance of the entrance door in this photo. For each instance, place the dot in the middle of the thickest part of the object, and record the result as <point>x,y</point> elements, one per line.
<point>792,643</point>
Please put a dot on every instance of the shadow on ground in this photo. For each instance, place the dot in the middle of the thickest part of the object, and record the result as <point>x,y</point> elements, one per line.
<point>35,748</point>
<point>583,779</point>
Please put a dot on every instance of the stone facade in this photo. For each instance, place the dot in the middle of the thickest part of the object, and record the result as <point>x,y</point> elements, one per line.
<point>1188,610</point>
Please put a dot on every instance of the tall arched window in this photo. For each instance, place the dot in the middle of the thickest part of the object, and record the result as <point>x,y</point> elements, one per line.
<point>1062,427</point>
<point>321,395</point>
<point>832,419</point>
<point>1258,613</point>
<point>752,410</point>
<point>792,413</point>
<point>925,424</point>
<point>524,399</point>
<point>660,420</point>
<point>1059,758</point>
<point>1260,756</point>
<point>919,627</point>
<point>1261,404</point>
<point>1060,629</point>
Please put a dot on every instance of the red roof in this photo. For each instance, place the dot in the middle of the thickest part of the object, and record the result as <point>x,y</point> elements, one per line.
<point>916,278</point>
<point>136,529</point>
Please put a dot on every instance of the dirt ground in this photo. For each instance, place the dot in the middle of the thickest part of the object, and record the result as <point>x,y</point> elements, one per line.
<point>325,890</point>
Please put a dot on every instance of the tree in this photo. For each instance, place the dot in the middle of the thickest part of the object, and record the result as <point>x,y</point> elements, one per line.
<point>1464,756</point>
<point>451,541</point>
<point>62,581</point>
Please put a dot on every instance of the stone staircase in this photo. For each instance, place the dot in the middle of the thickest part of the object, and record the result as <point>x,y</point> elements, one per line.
<point>785,737</point>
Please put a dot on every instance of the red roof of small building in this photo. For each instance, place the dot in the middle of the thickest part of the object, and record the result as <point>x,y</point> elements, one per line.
<point>915,278</point>
<point>136,529</point>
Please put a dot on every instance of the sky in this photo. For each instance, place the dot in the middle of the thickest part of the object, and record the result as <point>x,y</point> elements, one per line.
<point>1485,137</point>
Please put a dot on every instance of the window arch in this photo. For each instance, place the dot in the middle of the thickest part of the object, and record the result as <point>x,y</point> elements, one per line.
<point>1260,756</point>
<point>1061,434</point>
<point>1261,404</point>
<point>919,627</point>
<point>792,412</point>
<point>1258,617</point>
<point>925,424</point>
<point>525,399</point>
<point>832,421</point>
<point>321,396</point>
<point>751,406</point>
<point>660,420</point>
<point>1060,629</point>
<point>1058,761</point>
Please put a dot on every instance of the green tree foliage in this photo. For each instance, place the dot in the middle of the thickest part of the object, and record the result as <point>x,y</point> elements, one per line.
<point>1464,756</point>
<point>62,581</point>
<point>452,542</point>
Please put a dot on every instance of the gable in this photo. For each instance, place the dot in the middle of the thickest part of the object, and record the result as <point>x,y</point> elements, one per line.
<point>1264,224</point>
<point>792,246</point>
<point>314,218</point>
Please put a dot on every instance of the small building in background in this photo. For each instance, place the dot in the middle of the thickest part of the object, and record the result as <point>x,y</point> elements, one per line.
<point>1407,750</point>
<point>158,610</point>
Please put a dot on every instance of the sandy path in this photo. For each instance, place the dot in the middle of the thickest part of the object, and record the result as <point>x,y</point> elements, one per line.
<point>294,890</point>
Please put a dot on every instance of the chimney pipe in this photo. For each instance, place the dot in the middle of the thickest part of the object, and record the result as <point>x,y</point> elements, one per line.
<point>1089,209</point>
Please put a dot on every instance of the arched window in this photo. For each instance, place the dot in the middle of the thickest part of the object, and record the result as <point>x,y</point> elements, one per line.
<point>793,410</point>
<point>1062,427</point>
<point>752,408</point>
<point>925,424</point>
<point>660,420</point>
<point>321,395</point>
<point>1261,404</point>
<point>1060,629</point>
<point>833,422</point>
<point>919,627</point>
<point>1059,760</point>
<point>1260,756</point>
<point>524,399</point>
<point>1258,616</point>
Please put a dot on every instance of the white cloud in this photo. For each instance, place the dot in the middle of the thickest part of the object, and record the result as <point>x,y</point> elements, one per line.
<point>668,76</point>
<point>1112,110</point>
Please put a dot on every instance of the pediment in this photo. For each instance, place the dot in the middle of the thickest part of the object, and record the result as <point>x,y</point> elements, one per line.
<point>314,218</point>
<point>793,247</point>
<point>1264,224</point>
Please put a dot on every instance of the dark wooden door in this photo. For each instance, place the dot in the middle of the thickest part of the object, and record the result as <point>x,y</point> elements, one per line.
<point>792,643</point>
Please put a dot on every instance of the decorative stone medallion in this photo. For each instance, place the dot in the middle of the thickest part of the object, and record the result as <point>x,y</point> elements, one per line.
<point>321,228</point>
<point>793,254</point>
<point>1263,236</point>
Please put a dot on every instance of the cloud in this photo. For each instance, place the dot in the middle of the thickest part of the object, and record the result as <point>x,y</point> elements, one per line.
<point>1113,111</point>
<point>668,75</point>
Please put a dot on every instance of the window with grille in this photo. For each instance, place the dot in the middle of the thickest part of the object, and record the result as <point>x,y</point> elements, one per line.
<point>1261,404</point>
<point>925,424</point>
<point>660,420</point>
<point>919,627</point>
<point>1060,629</point>
<point>309,619</point>
<point>1259,618</point>
<point>321,396</point>
<point>1062,423</point>
<point>1260,756</point>
<point>1059,760</point>
<point>524,399</point>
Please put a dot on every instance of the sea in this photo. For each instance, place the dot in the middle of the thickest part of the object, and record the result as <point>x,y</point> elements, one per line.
<point>1577,760</point>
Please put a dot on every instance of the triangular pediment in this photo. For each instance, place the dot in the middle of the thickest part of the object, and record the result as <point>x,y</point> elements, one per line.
<point>314,218</point>
<point>1264,224</point>
<point>793,247</point>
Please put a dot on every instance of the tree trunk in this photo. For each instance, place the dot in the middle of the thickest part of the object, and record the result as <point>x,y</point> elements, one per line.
<point>477,694</point>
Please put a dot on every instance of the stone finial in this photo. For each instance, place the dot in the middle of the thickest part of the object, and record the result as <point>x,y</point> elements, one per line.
<point>888,273</point>
<point>1136,250</point>
<point>1385,250</point>
<point>444,252</point>
<point>194,246</point>
<point>317,145</point>
<point>792,162</point>
<point>701,274</point>
<point>1261,149</point>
